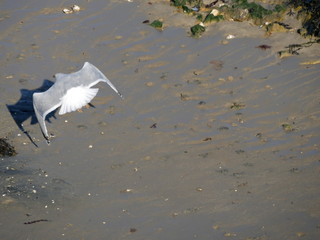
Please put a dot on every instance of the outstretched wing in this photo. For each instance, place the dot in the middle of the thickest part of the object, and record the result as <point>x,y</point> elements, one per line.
<point>88,76</point>
<point>93,71</point>
<point>76,98</point>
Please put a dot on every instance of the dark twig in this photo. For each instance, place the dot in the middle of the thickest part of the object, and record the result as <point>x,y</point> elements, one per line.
<point>36,221</point>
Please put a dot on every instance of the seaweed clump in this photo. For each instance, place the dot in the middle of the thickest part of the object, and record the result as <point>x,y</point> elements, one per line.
<point>309,10</point>
<point>197,30</point>
<point>243,10</point>
<point>6,150</point>
<point>156,24</point>
<point>235,10</point>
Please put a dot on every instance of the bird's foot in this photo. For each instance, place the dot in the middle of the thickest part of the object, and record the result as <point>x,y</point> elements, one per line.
<point>49,137</point>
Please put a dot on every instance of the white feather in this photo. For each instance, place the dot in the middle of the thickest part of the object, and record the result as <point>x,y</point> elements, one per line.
<point>76,98</point>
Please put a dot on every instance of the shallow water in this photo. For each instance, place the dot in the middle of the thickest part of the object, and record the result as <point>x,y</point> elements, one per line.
<point>195,150</point>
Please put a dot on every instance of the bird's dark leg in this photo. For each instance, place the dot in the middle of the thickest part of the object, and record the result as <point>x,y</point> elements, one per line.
<point>30,138</point>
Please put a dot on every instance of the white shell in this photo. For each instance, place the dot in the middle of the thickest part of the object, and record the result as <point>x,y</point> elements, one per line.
<point>66,11</point>
<point>75,8</point>
<point>215,12</point>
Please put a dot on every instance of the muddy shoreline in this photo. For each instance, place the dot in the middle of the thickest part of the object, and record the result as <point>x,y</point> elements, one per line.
<point>215,137</point>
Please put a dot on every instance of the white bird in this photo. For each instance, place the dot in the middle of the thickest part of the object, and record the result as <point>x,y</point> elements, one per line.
<point>70,91</point>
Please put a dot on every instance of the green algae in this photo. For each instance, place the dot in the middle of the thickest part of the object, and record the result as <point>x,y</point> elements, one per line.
<point>211,18</point>
<point>197,30</point>
<point>156,24</point>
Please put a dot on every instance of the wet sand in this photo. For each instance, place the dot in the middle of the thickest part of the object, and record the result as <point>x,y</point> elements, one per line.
<point>213,140</point>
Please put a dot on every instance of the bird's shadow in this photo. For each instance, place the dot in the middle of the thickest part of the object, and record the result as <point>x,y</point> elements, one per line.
<point>22,110</point>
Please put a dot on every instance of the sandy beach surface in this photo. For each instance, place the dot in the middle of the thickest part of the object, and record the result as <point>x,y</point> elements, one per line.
<point>214,139</point>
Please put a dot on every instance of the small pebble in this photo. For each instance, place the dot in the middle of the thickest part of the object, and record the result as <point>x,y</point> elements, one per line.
<point>90,146</point>
<point>230,78</point>
<point>300,234</point>
<point>128,190</point>
<point>230,36</point>
<point>230,235</point>
<point>132,230</point>
<point>215,12</point>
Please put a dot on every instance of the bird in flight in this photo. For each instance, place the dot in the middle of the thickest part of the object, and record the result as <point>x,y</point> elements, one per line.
<point>70,92</point>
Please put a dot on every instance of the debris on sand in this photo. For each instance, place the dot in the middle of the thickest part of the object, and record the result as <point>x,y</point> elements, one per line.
<point>6,150</point>
<point>237,106</point>
<point>287,127</point>
<point>293,49</point>
<point>73,9</point>
<point>264,47</point>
